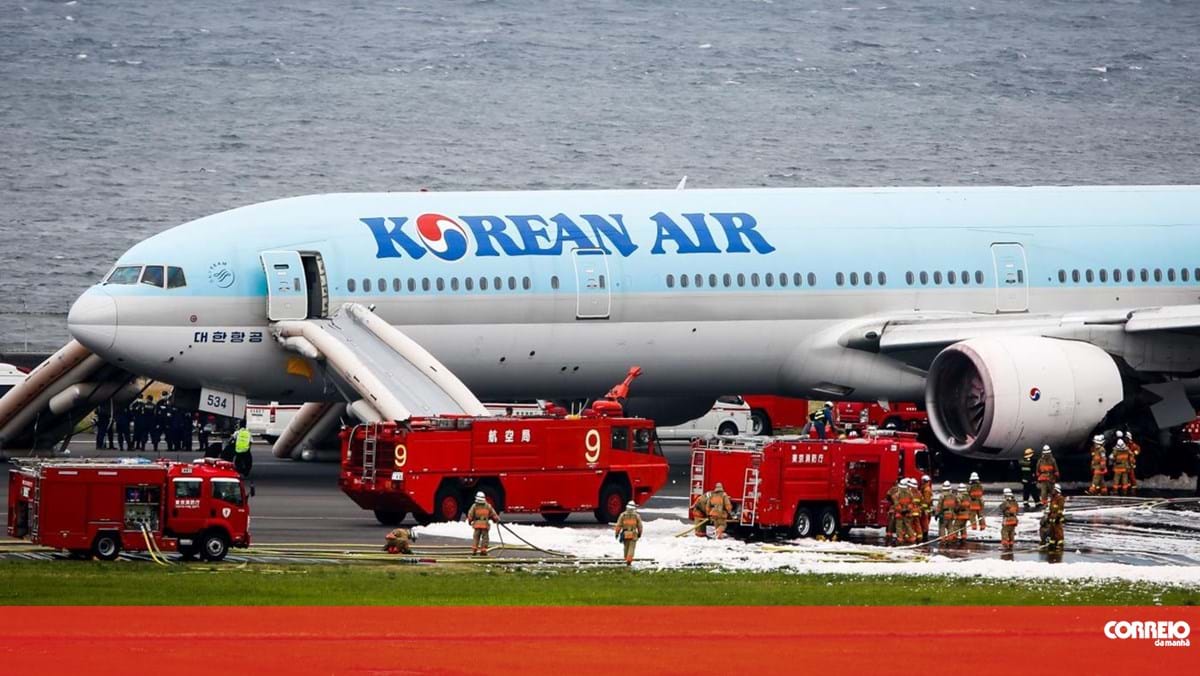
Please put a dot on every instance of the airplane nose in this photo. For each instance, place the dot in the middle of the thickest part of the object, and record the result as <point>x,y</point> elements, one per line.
<point>93,320</point>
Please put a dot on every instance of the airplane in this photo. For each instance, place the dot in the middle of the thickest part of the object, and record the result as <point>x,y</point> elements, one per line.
<point>1021,316</point>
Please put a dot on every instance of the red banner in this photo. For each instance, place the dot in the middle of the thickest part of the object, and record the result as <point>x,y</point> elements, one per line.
<point>580,641</point>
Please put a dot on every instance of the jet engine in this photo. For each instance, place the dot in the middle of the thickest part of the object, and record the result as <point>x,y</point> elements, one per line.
<point>994,397</point>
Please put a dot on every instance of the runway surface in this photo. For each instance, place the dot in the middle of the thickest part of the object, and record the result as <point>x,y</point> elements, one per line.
<point>299,502</point>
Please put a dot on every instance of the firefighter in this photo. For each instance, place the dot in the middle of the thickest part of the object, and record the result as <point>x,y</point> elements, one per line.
<point>1134,451</point>
<point>893,500</point>
<point>975,493</point>
<point>926,497</point>
<point>902,511</point>
<point>963,515</point>
<point>947,508</point>
<point>1009,509</point>
<point>629,530</point>
<point>243,461</point>
<point>699,513</point>
<point>480,516</point>
<point>399,541</point>
<point>1099,467</point>
<point>914,512</point>
<point>1047,474</point>
<point>1052,521</point>
<point>1122,467</point>
<point>1029,479</point>
<point>719,509</point>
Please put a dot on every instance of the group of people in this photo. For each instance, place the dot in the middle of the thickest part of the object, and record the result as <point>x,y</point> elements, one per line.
<point>1118,461</point>
<point>712,508</point>
<point>959,508</point>
<point>145,424</point>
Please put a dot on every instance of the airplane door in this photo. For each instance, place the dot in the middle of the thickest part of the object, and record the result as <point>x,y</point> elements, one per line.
<point>592,284</point>
<point>287,292</point>
<point>1012,277</point>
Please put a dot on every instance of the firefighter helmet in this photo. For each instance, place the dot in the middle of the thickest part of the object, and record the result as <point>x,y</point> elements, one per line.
<point>1099,438</point>
<point>962,487</point>
<point>718,488</point>
<point>631,505</point>
<point>925,477</point>
<point>1008,491</point>
<point>974,476</point>
<point>1046,449</point>
<point>480,497</point>
<point>1120,444</point>
<point>945,485</point>
<point>1058,488</point>
<point>1120,434</point>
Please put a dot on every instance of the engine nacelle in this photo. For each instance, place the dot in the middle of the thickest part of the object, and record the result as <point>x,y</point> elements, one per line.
<point>994,397</point>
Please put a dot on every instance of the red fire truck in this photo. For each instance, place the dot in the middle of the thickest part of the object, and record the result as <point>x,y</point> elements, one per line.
<point>904,416</point>
<point>808,486</point>
<point>548,465</point>
<point>103,507</point>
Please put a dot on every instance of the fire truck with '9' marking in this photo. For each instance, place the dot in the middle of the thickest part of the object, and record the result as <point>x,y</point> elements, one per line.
<point>550,465</point>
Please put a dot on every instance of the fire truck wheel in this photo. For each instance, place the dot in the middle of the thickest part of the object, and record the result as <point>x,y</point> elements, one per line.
<point>804,525</point>
<point>390,518</point>
<point>827,523</point>
<point>613,497</point>
<point>727,429</point>
<point>107,546</point>
<point>760,424</point>
<point>447,504</point>
<point>556,518</point>
<point>214,546</point>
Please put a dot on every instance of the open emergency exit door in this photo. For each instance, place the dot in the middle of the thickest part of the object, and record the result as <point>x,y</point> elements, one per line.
<point>1012,277</point>
<point>287,292</point>
<point>592,284</point>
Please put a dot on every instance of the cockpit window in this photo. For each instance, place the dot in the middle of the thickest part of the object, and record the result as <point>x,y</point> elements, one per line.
<point>126,274</point>
<point>175,278</point>
<point>152,275</point>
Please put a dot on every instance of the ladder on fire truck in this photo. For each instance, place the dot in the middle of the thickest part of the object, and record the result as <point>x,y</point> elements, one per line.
<point>369,448</point>
<point>748,515</point>
<point>34,521</point>
<point>697,477</point>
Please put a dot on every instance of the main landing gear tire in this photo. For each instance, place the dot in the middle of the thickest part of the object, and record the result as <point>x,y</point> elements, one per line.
<point>106,546</point>
<point>390,518</point>
<point>612,502</point>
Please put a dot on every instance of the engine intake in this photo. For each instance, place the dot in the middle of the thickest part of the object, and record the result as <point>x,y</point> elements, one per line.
<point>993,397</point>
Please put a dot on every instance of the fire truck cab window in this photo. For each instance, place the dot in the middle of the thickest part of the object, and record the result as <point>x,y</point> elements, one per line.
<point>620,438</point>
<point>187,488</point>
<point>641,441</point>
<point>227,490</point>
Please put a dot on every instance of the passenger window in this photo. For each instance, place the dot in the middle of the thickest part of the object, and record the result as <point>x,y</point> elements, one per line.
<point>1145,275</point>
<point>351,285</point>
<point>412,284</point>
<point>126,274</point>
<point>483,283</point>
<point>469,283</point>
<point>924,278</point>
<point>683,281</point>
<point>603,283</point>
<point>1075,276</point>
<point>454,283</point>
<point>1062,276</point>
<point>1170,274</point>
<point>966,277</point>
<point>769,279</point>
<point>1103,275</point>
<point>512,284</point>
<point>152,275</point>
<point>867,279</point>
<point>812,279</point>
<point>979,276</point>
<point>554,282</point>
<point>670,281</point>
<point>796,279</point>
<point>641,440</point>
<point>227,490</point>
<point>1021,275</point>
<point>712,281</point>
<point>1157,275</point>
<point>951,277</point>
<point>187,489</point>
<point>1091,276</point>
<point>396,284</point>
<point>783,279</point>
<point>937,276</point>
<point>620,438</point>
<point>497,284</point>
<point>1116,274</point>
<point>853,279</point>
<point>1129,276</point>
<point>882,278</point>
<point>840,279</point>
<point>526,283</point>
<point>726,279</point>
<point>1196,274</point>
<point>382,285</point>
<point>441,284</point>
<point>909,277</point>
<point>424,283</point>
<point>741,279</point>
<point>754,279</point>
<point>1183,274</point>
<point>366,285</point>
<point>175,278</point>
<point>698,280</point>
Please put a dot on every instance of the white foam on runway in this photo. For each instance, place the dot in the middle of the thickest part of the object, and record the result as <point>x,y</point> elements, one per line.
<point>661,550</point>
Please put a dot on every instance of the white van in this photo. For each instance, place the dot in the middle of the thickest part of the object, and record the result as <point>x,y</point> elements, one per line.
<point>268,421</point>
<point>728,416</point>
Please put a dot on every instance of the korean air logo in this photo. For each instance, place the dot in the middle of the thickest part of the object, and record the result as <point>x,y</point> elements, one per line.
<point>1035,394</point>
<point>442,236</point>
